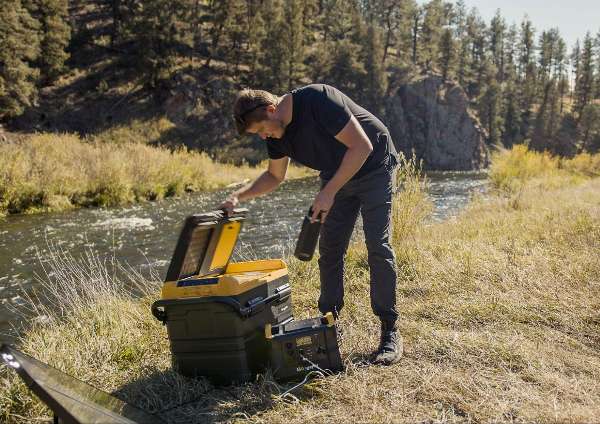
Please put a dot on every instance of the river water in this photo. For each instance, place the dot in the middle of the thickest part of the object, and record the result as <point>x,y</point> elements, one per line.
<point>144,235</point>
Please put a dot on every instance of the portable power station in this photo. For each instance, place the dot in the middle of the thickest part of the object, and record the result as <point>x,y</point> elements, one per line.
<point>298,347</point>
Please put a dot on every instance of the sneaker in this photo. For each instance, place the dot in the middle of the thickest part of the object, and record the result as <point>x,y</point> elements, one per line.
<point>390,345</point>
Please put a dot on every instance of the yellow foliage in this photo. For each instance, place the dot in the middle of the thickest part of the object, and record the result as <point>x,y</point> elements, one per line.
<point>511,169</point>
<point>57,171</point>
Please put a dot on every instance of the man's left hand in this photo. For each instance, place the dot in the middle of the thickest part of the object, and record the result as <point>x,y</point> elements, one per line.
<point>322,203</point>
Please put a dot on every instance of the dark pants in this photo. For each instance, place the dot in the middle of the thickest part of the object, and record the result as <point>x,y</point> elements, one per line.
<point>370,194</point>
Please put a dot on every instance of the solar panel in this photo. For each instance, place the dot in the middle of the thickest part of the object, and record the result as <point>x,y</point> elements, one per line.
<point>72,400</point>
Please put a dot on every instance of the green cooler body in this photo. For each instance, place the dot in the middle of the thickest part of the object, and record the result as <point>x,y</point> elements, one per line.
<point>216,311</point>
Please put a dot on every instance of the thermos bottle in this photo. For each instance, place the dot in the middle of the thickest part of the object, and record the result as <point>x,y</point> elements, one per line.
<point>307,240</point>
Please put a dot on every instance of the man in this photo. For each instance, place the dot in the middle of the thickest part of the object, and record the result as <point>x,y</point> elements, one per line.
<point>322,128</point>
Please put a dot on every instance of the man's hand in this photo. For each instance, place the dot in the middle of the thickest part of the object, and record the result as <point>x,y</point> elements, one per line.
<point>322,203</point>
<point>231,202</point>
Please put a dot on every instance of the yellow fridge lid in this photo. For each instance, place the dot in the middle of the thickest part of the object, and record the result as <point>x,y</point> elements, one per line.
<point>205,244</point>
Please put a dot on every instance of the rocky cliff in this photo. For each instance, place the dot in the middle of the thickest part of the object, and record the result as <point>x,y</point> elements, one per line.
<point>432,118</point>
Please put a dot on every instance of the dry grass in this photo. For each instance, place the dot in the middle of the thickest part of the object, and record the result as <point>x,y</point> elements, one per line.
<point>500,317</point>
<point>512,169</point>
<point>48,172</point>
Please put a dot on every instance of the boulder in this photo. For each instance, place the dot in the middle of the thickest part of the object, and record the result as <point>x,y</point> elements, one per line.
<point>431,117</point>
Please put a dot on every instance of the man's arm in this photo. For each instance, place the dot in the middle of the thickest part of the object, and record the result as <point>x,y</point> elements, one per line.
<point>359,148</point>
<point>265,183</point>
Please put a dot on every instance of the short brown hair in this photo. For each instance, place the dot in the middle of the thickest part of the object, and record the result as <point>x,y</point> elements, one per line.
<point>249,107</point>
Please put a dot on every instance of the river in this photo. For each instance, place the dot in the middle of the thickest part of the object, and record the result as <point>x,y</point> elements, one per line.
<point>144,235</point>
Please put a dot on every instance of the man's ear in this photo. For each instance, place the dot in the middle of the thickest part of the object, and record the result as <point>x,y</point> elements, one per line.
<point>270,108</point>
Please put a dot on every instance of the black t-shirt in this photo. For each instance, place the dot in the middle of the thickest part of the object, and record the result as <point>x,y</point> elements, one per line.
<point>320,112</point>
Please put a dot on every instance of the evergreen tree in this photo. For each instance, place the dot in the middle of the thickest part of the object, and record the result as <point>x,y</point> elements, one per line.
<point>346,70</point>
<point>339,56</point>
<point>463,41</point>
<point>218,15</point>
<point>158,33</point>
<point>527,73</point>
<point>589,129</point>
<point>431,32</point>
<point>496,37</point>
<point>511,131</point>
<point>273,69</point>
<point>597,53</point>
<point>448,55</point>
<point>375,81</point>
<point>585,75</point>
<point>294,39</point>
<point>395,17</point>
<point>490,103</point>
<point>257,32</point>
<point>416,19</point>
<point>475,65</point>
<point>575,66</point>
<point>235,35</point>
<point>19,46</point>
<point>560,78</point>
<point>54,35</point>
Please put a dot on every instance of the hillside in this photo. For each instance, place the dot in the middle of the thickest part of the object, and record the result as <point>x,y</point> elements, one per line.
<point>167,74</point>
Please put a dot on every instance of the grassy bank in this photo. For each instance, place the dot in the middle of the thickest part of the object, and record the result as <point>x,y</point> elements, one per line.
<point>500,317</point>
<point>49,172</point>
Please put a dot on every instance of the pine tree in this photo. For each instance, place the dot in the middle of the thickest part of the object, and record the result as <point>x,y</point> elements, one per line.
<point>54,35</point>
<point>496,37</point>
<point>395,17</point>
<point>416,22</point>
<point>477,48</point>
<point>589,129</point>
<point>294,38</point>
<point>597,53</point>
<point>218,15</point>
<point>490,104</point>
<point>560,78</point>
<point>157,31</point>
<point>448,57</point>
<point>527,73</point>
<point>257,31</point>
<point>339,56</point>
<point>575,66</point>
<point>19,46</point>
<point>234,36</point>
<point>375,81</point>
<point>463,40</point>
<point>273,65</point>
<point>584,84</point>
<point>431,32</point>
<point>511,131</point>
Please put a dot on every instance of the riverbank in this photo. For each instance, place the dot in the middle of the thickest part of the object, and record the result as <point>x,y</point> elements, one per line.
<point>499,316</point>
<point>53,172</point>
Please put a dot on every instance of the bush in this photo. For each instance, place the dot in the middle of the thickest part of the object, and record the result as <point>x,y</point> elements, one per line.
<point>51,172</point>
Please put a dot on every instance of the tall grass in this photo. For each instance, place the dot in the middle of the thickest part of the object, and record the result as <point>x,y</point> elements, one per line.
<point>511,169</point>
<point>499,313</point>
<point>53,172</point>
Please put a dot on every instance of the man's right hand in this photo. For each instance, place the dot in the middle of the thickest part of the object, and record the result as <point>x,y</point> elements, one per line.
<point>230,203</point>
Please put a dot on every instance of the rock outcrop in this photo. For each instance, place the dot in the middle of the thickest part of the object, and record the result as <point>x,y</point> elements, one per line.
<point>432,118</point>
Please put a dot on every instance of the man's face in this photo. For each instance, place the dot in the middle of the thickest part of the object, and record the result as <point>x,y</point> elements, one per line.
<point>268,128</point>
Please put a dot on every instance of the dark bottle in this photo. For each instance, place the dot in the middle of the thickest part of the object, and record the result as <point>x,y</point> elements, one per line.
<point>307,240</point>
